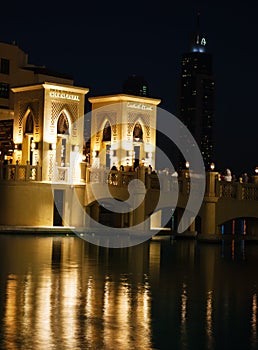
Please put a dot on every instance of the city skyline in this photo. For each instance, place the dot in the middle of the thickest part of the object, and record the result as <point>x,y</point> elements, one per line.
<point>101,48</point>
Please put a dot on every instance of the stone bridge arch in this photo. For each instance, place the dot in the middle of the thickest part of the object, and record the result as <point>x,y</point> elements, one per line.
<point>104,213</point>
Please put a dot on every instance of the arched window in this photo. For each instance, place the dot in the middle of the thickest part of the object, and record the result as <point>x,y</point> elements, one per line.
<point>107,132</point>
<point>29,126</point>
<point>137,132</point>
<point>63,125</point>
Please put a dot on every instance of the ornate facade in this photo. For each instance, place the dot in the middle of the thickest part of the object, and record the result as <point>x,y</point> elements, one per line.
<point>123,131</point>
<point>48,129</point>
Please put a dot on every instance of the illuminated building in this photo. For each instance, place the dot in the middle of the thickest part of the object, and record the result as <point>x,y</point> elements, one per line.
<point>48,127</point>
<point>197,87</point>
<point>136,85</point>
<point>42,141</point>
<point>123,130</point>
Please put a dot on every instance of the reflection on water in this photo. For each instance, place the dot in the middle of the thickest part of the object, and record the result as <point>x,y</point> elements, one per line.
<point>64,293</point>
<point>209,310</point>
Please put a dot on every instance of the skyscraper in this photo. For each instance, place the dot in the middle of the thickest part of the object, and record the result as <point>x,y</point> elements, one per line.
<point>136,85</point>
<point>197,87</point>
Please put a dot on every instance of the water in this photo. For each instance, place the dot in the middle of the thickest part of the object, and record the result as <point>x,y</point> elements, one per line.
<point>64,293</point>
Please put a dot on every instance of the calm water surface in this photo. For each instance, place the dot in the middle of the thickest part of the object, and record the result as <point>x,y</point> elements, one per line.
<point>64,293</point>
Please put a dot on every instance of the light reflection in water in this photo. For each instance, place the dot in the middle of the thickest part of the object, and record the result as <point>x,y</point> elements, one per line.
<point>184,316</point>
<point>123,312</point>
<point>209,314</point>
<point>108,306</point>
<point>143,314</point>
<point>89,314</point>
<point>69,301</point>
<point>254,321</point>
<point>42,333</point>
<point>67,294</point>
<point>10,313</point>
<point>183,304</point>
<point>233,249</point>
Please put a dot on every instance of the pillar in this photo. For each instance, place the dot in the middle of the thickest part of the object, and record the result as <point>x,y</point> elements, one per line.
<point>209,216</point>
<point>208,210</point>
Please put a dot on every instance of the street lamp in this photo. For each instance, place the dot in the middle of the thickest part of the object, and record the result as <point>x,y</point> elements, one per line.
<point>256,170</point>
<point>187,164</point>
<point>212,166</point>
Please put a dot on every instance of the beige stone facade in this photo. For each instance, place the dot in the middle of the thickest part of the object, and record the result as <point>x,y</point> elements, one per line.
<point>123,130</point>
<point>48,128</point>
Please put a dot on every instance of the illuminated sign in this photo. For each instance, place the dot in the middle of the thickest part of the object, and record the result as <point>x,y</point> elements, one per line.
<point>139,106</point>
<point>64,95</point>
<point>203,42</point>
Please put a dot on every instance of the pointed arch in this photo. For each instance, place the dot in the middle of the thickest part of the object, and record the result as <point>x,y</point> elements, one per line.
<point>63,124</point>
<point>107,132</point>
<point>28,121</point>
<point>138,132</point>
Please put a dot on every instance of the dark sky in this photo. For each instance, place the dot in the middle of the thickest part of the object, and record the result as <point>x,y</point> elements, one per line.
<point>101,43</point>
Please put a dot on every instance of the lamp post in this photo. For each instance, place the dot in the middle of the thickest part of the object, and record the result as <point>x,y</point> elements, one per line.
<point>212,166</point>
<point>255,177</point>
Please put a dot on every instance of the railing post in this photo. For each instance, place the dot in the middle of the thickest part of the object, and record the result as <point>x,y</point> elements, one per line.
<point>210,183</point>
<point>16,173</point>
<point>166,182</point>
<point>184,185</point>
<point>148,181</point>
<point>87,177</point>
<point>141,173</point>
<point>38,172</point>
<point>119,178</point>
<point>27,173</point>
<point>217,187</point>
<point>1,170</point>
<point>239,194</point>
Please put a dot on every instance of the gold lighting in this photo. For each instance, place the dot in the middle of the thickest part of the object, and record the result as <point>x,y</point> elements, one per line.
<point>212,166</point>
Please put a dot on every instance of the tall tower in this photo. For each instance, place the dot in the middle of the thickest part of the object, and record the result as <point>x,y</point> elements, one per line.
<point>197,87</point>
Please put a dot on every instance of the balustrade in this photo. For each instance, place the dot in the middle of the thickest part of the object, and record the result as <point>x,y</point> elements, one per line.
<point>162,181</point>
<point>20,172</point>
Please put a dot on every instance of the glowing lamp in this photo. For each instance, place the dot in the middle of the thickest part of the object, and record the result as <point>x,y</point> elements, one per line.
<point>212,166</point>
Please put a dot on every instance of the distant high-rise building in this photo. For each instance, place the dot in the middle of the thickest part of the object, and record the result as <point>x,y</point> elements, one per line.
<point>136,85</point>
<point>197,87</point>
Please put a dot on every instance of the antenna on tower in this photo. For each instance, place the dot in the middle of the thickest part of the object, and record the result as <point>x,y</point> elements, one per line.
<point>198,28</point>
<point>198,20</point>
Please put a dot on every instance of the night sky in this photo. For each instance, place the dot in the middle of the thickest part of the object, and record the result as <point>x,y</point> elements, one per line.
<point>101,43</point>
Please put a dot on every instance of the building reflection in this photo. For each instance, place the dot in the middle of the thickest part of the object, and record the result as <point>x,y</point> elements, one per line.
<point>254,321</point>
<point>63,306</point>
<point>209,315</point>
<point>65,293</point>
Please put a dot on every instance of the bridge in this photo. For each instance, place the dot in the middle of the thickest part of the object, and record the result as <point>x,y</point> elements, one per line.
<point>223,204</point>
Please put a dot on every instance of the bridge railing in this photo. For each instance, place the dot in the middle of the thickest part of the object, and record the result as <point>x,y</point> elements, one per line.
<point>111,177</point>
<point>162,181</point>
<point>236,190</point>
<point>20,172</point>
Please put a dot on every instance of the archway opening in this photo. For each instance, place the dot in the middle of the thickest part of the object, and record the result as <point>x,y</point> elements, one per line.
<point>62,145</point>
<point>137,139</point>
<point>106,139</point>
<point>105,214</point>
<point>28,142</point>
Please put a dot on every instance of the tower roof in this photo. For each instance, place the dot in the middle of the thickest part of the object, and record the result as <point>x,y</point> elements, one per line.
<point>198,41</point>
